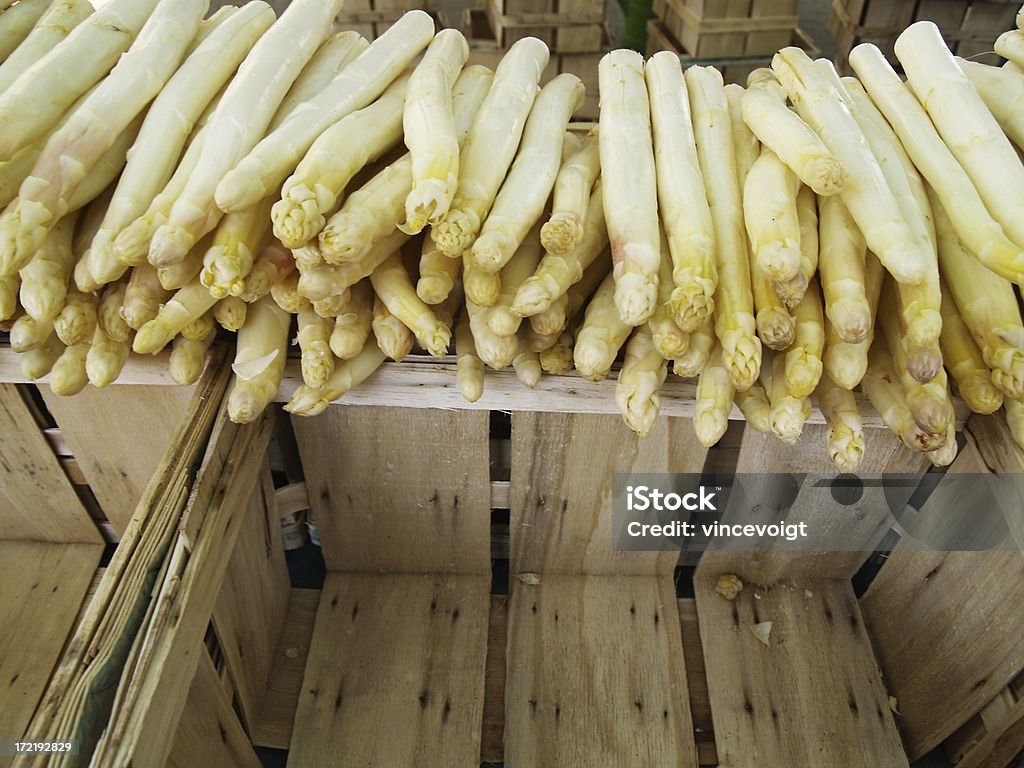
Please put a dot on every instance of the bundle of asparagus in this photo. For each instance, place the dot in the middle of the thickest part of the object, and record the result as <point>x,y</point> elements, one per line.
<point>784,243</point>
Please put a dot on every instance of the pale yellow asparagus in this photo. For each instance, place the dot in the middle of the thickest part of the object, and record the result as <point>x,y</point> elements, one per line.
<point>1014,420</point>
<point>312,192</point>
<point>496,351</point>
<point>16,24</point>
<point>437,275</point>
<point>317,360</point>
<point>1010,66</point>
<point>14,171</point>
<point>243,114</point>
<point>964,361</point>
<point>186,305</point>
<point>944,455</point>
<point>783,132</point>
<point>307,257</point>
<point>230,313</point>
<point>841,255</point>
<point>35,101</point>
<point>236,241</point>
<point>882,386</point>
<point>845,429</point>
<point>188,358</point>
<point>394,289</point>
<point>803,366</point>
<point>553,320</point>
<point>982,235</point>
<point>682,200</point>
<point>640,379</point>
<point>1010,45</point>
<point>630,184</point>
<point>776,327</point>
<point>108,313</point>
<point>602,333</point>
<point>44,280</point>
<point>1001,89</point>
<point>698,350</point>
<point>77,319</point>
<point>263,168</point>
<point>394,338</point>
<point>866,193</point>
<point>483,288</point>
<point>37,362</point>
<point>179,107</point>
<point>712,402</point>
<point>143,296</point>
<point>182,273</point>
<point>525,190</point>
<point>789,411</point>
<point>746,147</point>
<point>9,286</point>
<point>526,365</point>
<point>469,371</point>
<point>667,337</point>
<point>792,291</point>
<point>988,305</point>
<point>769,213</point>
<point>329,279</point>
<point>200,328</point>
<point>450,307</point>
<point>754,405</point>
<point>570,199</point>
<point>260,355</point>
<point>70,154</point>
<point>287,296</point>
<point>844,361</point>
<point>539,342</point>
<point>491,145</point>
<point>273,264</point>
<point>352,327</point>
<point>28,333</point>
<point>332,306</point>
<point>965,124</point>
<point>68,375</point>
<point>347,376</point>
<point>501,317</point>
<point>558,357</point>
<point>735,325</point>
<point>53,26</point>
<point>429,127</point>
<point>106,359</point>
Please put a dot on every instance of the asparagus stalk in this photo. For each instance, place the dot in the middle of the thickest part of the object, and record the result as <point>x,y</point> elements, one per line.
<point>68,375</point>
<point>496,351</point>
<point>287,296</point>
<point>792,291</point>
<point>570,200</point>
<point>1014,420</point>
<point>9,286</point>
<point>1010,45</point>
<point>803,366</point>
<point>200,327</point>
<point>501,317</point>
<point>143,296</point>
<point>845,430</point>
<point>553,320</point>
<point>187,304</point>
<point>347,376</point>
<point>352,327</point>
<point>53,26</point>
<point>1001,89</point>
<point>185,271</point>
<point>273,265</point>
<point>328,280</point>
<point>845,362</point>
<point>38,362</point>
<point>790,411</point>
<point>841,256</point>
<point>230,313</point>
<point>601,335</point>
<point>713,399</point>
<point>640,379</point>
<point>755,408</point>
<point>697,353</point>
<point>317,362</point>
<point>17,23</point>
<point>44,281</point>
<point>260,356</point>
<point>526,365</point>
<point>105,359</point>
<point>882,387</point>
<point>469,374</point>
<point>332,306</point>
<point>394,338</point>
<point>28,333</point>
<point>667,337</point>
<point>237,240</point>
<point>558,357</point>
<point>438,273</point>
<point>188,358</point>
<point>964,361</point>
<point>108,313</point>
<point>769,212</point>
<point>77,319</point>
<point>395,291</point>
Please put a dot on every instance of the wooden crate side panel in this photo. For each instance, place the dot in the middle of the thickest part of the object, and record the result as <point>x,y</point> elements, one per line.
<point>492,743</point>
<point>697,683</point>
<point>118,435</point>
<point>395,673</point>
<point>399,490</point>
<point>250,611</point>
<point>596,675</point>
<point>862,524</point>
<point>37,502</point>
<point>561,492</point>
<point>209,732</point>
<point>44,584</point>
<point>812,696</point>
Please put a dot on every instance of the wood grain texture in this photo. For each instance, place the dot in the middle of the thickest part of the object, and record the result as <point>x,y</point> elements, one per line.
<point>399,490</point>
<point>856,528</point>
<point>492,745</point>
<point>561,490</point>
<point>37,502</point>
<point>118,436</point>
<point>273,726</point>
<point>395,674</point>
<point>250,610</point>
<point>44,585</point>
<point>596,675</point>
<point>813,697</point>
<point>1001,744</point>
<point>697,683</point>
<point>209,732</point>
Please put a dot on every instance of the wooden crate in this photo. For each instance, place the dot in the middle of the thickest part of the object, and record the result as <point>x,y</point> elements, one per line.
<point>575,26</point>
<point>969,27</point>
<point>734,69</point>
<point>728,28</point>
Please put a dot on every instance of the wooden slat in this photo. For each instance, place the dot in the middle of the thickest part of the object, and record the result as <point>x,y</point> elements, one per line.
<point>596,675</point>
<point>697,683</point>
<point>562,472</point>
<point>37,502</point>
<point>209,732</point>
<point>492,744</point>
<point>118,436</point>
<point>250,611</point>
<point>859,526</point>
<point>395,673</point>
<point>44,584</point>
<point>1000,744</point>
<point>813,697</point>
<point>399,490</point>
<point>140,369</point>
<point>273,727</point>
<point>946,625</point>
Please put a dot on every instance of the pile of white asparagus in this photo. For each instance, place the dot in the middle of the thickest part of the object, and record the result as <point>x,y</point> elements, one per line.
<point>164,175</point>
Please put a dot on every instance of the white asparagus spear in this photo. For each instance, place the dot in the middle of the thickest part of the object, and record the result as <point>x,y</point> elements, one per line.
<point>640,379</point>
<point>1010,45</point>
<point>347,376</point>
<point>269,162</point>
<point>236,241</point>
<point>845,429</point>
<point>630,184</point>
<point>60,18</point>
<point>570,198</point>
<point>841,262</point>
<point>17,22</point>
<point>500,316</point>
<point>712,400</point>
<point>37,362</point>
<point>188,358</point>
<point>260,357</point>
<point>37,99</point>
<point>244,112</point>
<point>1002,90</point>
<point>769,213</point>
<point>44,280</point>
<point>469,367</point>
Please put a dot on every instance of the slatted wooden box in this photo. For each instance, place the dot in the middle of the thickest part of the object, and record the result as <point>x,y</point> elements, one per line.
<point>720,28</point>
<point>422,648</point>
<point>566,26</point>
<point>968,26</point>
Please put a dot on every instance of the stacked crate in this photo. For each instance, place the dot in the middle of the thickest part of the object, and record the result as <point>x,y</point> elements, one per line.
<point>371,17</point>
<point>968,27</point>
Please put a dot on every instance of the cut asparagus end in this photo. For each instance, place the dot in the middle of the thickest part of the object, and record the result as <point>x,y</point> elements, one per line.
<point>692,302</point>
<point>456,232</point>
<point>561,233</point>
<point>825,175</point>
